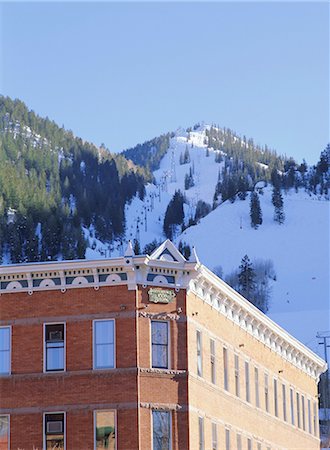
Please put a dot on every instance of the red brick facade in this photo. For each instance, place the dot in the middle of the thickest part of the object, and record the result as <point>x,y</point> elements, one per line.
<point>80,390</point>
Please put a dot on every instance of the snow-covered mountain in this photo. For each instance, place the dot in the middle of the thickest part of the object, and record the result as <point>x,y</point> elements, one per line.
<point>299,248</point>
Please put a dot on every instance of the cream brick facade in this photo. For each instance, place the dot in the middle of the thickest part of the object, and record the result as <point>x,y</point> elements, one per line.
<point>244,417</point>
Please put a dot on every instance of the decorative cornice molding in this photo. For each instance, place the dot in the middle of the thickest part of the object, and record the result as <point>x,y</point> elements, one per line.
<point>236,308</point>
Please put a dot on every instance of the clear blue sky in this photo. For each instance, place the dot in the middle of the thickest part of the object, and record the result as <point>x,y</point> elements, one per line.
<point>121,73</point>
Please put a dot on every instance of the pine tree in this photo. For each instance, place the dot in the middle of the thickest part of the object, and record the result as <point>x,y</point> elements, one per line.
<point>136,247</point>
<point>174,214</point>
<point>277,201</point>
<point>246,278</point>
<point>255,210</point>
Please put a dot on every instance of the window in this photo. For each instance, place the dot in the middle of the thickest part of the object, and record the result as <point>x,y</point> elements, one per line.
<point>159,343</point>
<point>227,439</point>
<point>54,347</point>
<point>303,412</point>
<point>284,402</point>
<point>4,351</point>
<point>212,358</point>
<point>258,446</point>
<point>199,353</point>
<point>225,368</point>
<point>275,399</point>
<point>247,381</point>
<point>292,406</point>
<point>239,442</point>
<point>214,437</point>
<point>256,386</point>
<point>237,375</point>
<point>315,430</point>
<point>249,444</point>
<point>266,393</point>
<point>309,416</point>
<point>4,432</point>
<point>298,410</point>
<point>201,432</point>
<point>105,430</point>
<point>54,432</point>
<point>104,344</point>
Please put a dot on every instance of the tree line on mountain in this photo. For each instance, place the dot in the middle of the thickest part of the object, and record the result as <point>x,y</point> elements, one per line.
<point>52,184</point>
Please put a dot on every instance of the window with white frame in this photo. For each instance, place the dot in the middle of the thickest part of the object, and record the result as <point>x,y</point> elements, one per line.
<point>214,436</point>
<point>54,347</point>
<point>237,376</point>
<point>309,416</point>
<point>292,406</point>
<point>249,444</point>
<point>256,386</point>
<point>199,353</point>
<point>4,432</point>
<point>54,431</point>
<point>239,442</point>
<point>315,427</point>
<point>266,393</point>
<point>201,433</point>
<point>104,344</point>
<point>275,398</point>
<point>227,433</point>
<point>105,430</point>
<point>284,401</point>
<point>303,412</point>
<point>161,430</point>
<point>298,410</point>
<point>159,344</point>
<point>212,361</point>
<point>225,369</point>
<point>247,381</point>
<point>5,345</point>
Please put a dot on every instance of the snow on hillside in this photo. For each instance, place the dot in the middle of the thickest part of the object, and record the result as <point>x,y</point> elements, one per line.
<point>299,248</point>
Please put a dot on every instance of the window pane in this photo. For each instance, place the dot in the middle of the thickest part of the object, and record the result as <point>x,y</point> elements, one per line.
<point>159,356</point>
<point>104,356</point>
<point>105,430</point>
<point>4,338</point>
<point>55,357</point>
<point>4,432</point>
<point>159,332</point>
<point>4,362</point>
<point>54,431</point>
<point>104,332</point>
<point>201,433</point>
<point>161,424</point>
<point>159,341</point>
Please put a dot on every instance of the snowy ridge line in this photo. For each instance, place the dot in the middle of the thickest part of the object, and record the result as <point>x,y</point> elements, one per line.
<point>211,289</point>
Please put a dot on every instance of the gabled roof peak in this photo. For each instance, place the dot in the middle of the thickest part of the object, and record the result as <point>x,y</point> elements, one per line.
<point>167,251</point>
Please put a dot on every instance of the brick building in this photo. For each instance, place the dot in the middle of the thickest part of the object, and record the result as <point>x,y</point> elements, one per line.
<point>147,352</point>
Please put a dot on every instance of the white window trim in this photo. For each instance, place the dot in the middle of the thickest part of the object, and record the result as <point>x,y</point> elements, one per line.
<point>10,352</point>
<point>44,422</point>
<point>152,426</point>
<point>44,347</point>
<point>247,379</point>
<point>94,425</point>
<point>201,350</point>
<point>225,368</point>
<point>7,415</point>
<point>169,347</point>
<point>114,345</point>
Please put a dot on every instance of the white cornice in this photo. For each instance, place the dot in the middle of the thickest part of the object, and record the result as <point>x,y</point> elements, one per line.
<point>235,307</point>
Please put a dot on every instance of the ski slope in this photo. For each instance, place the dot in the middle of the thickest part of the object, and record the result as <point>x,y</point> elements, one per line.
<point>299,248</point>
